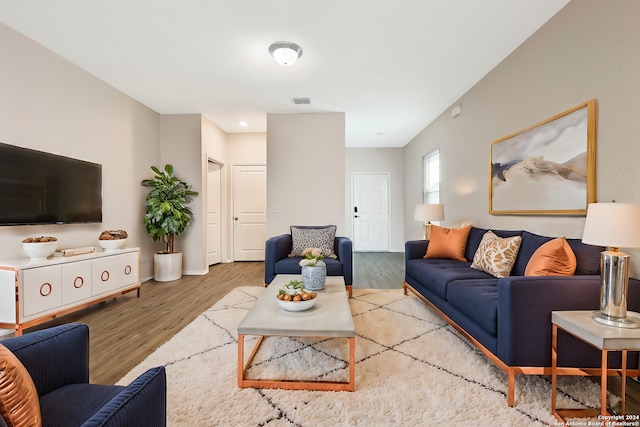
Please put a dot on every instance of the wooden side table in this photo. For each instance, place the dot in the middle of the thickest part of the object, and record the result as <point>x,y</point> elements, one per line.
<point>606,339</point>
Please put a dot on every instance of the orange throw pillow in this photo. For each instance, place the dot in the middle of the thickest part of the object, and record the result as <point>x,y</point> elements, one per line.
<point>447,243</point>
<point>554,258</point>
<point>19,404</point>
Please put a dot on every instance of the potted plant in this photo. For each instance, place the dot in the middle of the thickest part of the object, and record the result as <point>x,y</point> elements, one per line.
<point>167,216</point>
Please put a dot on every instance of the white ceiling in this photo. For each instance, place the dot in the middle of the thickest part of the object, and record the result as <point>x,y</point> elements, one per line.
<point>391,66</point>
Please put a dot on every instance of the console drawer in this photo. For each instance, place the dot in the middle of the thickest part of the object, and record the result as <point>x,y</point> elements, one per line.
<point>128,269</point>
<point>105,275</point>
<point>76,282</point>
<point>42,289</point>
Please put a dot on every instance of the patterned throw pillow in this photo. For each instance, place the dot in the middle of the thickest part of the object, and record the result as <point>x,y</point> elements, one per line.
<point>19,405</point>
<point>304,237</point>
<point>496,255</point>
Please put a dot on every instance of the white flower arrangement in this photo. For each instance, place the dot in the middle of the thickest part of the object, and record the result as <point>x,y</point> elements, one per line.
<point>311,257</point>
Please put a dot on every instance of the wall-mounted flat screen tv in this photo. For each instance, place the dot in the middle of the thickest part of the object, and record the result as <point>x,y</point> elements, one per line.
<point>43,188</point>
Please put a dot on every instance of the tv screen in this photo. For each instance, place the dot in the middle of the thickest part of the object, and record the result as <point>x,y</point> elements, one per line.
<point>44,188</point>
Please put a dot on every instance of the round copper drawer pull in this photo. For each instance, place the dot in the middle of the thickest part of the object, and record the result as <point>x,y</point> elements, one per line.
<point>104,276</point>
<point>45,289</point>
<point>127,270</point>
<point>78,282</point>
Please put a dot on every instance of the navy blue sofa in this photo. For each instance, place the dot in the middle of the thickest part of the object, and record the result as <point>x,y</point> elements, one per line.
<point>58,361</point>
<point>509,319</point>
<point>277,260</point>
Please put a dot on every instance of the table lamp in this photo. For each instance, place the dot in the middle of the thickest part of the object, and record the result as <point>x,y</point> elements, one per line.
<point>427,213</point>
<point>614,225</point>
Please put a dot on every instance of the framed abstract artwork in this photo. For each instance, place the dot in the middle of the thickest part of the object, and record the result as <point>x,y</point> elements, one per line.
<point>548,168</point>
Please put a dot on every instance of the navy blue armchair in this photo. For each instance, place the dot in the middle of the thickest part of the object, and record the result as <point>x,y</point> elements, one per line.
<point>58,361</point>
<point>277,260</point>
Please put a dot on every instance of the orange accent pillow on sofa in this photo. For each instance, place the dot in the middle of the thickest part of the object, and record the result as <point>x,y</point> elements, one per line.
<point>554,258</point>
<point>448,243</point>
<point>19,405</point>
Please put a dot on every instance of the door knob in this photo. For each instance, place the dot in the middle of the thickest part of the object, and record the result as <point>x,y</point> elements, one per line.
<point>236,218</point>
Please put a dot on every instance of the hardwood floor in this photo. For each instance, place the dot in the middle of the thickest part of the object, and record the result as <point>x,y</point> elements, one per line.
<point>378,270</point>
<point>125,330</point>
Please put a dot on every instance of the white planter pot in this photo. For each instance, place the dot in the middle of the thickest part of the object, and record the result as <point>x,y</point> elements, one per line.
<point>167,267</point>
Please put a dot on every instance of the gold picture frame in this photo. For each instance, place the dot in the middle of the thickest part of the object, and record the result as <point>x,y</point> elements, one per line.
<point>548,168</point>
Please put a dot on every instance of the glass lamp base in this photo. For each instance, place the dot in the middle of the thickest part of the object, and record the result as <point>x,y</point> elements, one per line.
<point>631,321</point>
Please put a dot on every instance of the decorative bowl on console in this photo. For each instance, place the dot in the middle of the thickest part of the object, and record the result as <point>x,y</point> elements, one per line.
<point>112,244</point>
<point>38,248</point>
<point>112,239</point>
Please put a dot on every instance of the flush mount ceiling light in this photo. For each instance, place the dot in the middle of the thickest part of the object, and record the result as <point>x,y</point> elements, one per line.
<point>285,53</point>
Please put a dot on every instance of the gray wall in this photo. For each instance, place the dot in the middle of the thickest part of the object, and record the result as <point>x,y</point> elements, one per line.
<point>181,145</point>
<point>588,50</point>
<point>305,171</point>
<point>188,142</point>
<point>51,105</point>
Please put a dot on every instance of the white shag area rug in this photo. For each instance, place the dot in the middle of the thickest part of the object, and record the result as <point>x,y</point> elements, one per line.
<point>412,370</point>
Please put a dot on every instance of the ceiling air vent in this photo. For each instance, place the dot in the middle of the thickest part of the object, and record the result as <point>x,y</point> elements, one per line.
<point>301,101</point>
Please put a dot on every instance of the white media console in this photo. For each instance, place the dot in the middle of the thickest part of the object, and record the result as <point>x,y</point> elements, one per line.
<point>35,291</point>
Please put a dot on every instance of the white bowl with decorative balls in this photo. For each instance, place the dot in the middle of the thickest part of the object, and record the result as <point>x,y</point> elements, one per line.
<point>110,245</point>
<point>292,296</point>
<point>39,248</point>
<point>110,240</point>
<point>297,305</point>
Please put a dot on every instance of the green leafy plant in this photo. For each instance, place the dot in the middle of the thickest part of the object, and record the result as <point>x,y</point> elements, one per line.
<point>167,214</point>
<point>292,287</point>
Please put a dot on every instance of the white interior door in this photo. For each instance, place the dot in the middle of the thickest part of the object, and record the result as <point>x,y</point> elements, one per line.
<point>249,212</point>
<point>370,211</point>
<point>214,202</point>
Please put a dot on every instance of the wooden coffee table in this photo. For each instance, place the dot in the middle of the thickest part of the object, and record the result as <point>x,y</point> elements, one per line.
<point>329,317</point>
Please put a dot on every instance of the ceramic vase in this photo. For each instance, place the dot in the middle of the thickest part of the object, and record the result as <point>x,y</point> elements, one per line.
<point>315,276</point>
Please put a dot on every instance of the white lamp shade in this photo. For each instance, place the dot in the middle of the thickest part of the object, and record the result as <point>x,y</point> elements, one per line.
<point>430,212</point>
<point>612,224</point>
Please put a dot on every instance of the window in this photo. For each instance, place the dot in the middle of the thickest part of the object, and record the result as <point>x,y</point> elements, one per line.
<point>431,177</point>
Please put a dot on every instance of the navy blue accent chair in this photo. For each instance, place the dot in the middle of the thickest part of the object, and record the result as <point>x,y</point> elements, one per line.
<point>277,260</point>
<point>57,359</point>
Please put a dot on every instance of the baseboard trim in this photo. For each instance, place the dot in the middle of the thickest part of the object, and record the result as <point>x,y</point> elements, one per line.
<point>195,272</point>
